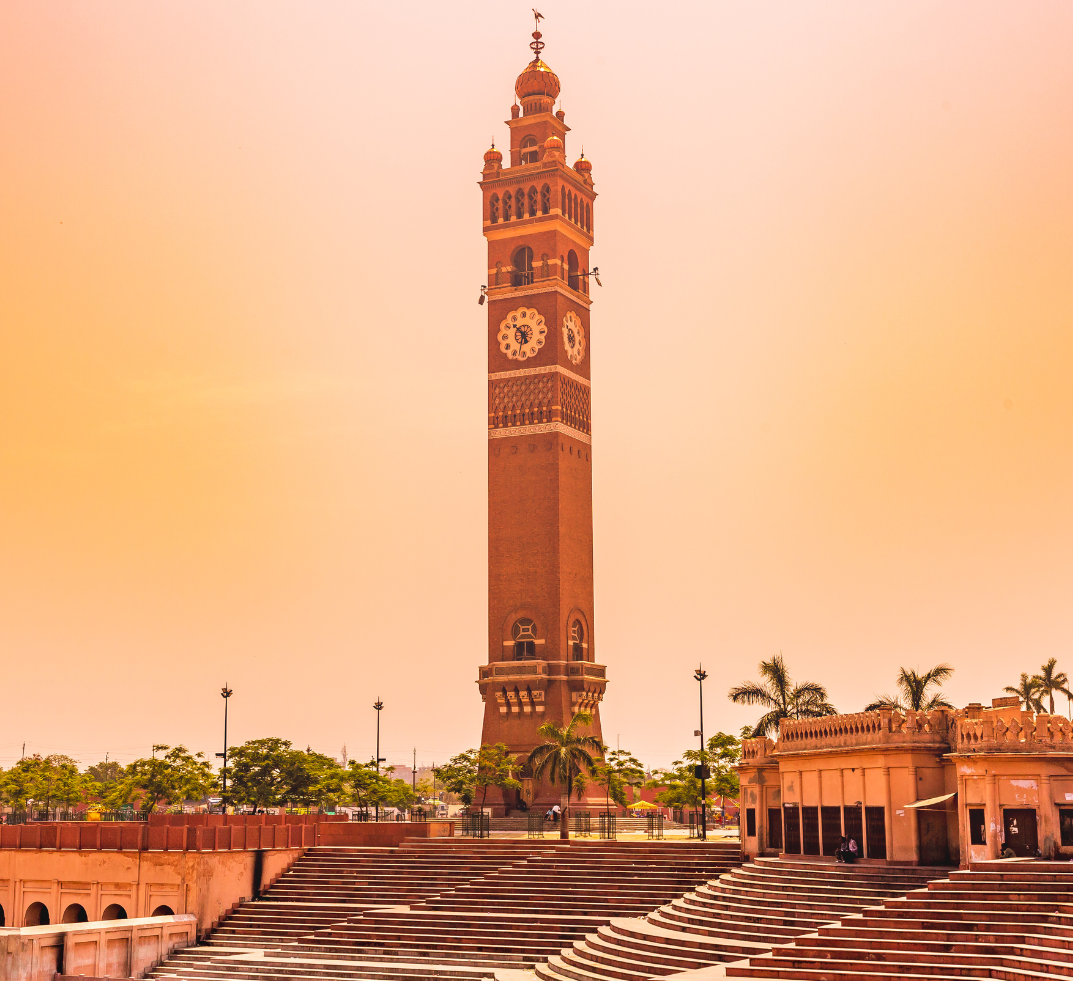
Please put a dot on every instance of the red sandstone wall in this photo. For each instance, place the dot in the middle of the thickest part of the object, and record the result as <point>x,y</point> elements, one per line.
<point>386,835</point>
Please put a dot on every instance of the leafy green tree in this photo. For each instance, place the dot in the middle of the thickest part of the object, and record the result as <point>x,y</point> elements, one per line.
<point>682,786</point>
<point>22,783</point>
<point>564,754</point>
<point>777,693</point>
<point>313,779</point>
<point>618,770</point>
<point>914,691</point>
<point>101,779</point>
<point>176,776</point>
<point>259,773</point>
<point>458,776</point>
<point>476,771</point>
<point>495,768</point>
<point>69,786</point>
<point>369,789</point>
<point>1049,680</point>
<point>1027,689</point>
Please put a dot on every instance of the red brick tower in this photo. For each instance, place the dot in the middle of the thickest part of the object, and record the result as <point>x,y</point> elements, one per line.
<point>538,218</point>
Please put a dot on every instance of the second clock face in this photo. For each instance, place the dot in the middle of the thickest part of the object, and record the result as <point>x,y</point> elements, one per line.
<point>573,337</point>
<point>522,334</point>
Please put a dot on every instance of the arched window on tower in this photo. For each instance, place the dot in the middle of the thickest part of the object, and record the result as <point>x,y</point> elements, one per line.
<point>529,150</point>
<point>493,208</point>
<point>524,635</point>
<point>562,200</point>
<point>506,205</point>
<point>572,279</point>
<point>523,267</point>
<point>545,199</point>
<point>533,201</point>
<point>588,218</point>
<point>577,640</point>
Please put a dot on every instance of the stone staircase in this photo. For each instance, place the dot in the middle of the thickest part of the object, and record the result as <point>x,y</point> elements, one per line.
<point>1008,920</point>
<point>744,912</point>
<point>443,908</point>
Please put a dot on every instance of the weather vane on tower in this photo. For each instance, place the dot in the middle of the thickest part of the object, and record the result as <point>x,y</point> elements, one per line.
<point>536,44</point>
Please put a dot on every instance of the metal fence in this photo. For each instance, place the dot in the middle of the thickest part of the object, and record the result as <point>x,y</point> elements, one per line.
<point>654,825</point>
<point>476,826</point>
<point>581,823</point>
<point>535,827</point>
<point>608,825</point>
<point>29,817</point>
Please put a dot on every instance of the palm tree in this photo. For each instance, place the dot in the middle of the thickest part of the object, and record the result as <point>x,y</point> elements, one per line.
<point>1028,691</point>
<point>1048,681</point>
<point>781,697</point>
<point>913,691</point>
<point>563,755</point>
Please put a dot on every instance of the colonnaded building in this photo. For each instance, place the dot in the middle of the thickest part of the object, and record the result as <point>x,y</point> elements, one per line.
<point>920,788</point>
<point>538,217</point>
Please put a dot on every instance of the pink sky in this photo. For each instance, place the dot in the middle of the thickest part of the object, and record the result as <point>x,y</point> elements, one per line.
<point>242,372</point>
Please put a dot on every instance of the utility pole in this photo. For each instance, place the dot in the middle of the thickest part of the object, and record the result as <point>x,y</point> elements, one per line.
<point>225,694</point>
<point>378,705</point>
<point>700,674</point>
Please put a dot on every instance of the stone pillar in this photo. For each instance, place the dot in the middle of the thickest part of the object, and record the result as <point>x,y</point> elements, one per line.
<point>801,809</point>
<point>963,823</point>
<point>842,799</point>
<point>782,807</point>
<point>1048,818</point>
<point>864,812</point>
<point>888,814</point>
<point>914,818</point>
<point>992,816</point>
<point>761,812</point>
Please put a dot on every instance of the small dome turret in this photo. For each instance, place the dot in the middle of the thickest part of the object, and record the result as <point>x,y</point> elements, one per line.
<point>553,148</point>
<point>583,166</point>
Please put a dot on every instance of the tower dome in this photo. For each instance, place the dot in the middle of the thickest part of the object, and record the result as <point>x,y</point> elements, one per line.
<point>537,87</point>
<point>492,157</point>
<point>553,148</point>
<point>537,80</point>
<point>583,166</point>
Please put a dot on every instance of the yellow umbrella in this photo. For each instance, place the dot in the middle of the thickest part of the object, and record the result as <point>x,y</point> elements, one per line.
<point>643,805</point>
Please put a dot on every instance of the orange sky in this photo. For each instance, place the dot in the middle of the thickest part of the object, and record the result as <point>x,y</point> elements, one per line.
<point>242,366</point>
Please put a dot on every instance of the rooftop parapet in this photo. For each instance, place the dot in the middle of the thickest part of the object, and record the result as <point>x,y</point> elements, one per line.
<point>1021,733</point>
<point>884,727</point>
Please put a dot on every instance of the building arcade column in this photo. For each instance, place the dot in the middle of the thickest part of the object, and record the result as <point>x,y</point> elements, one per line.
<point>992,817</point>
<point>888,815</point>
<point>1048,818</point>
<point>914,818</point>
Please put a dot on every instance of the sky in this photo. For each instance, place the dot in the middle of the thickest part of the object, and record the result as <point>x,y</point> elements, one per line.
<point>243,376</point>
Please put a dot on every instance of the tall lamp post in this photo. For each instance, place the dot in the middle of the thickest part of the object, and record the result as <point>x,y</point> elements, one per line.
<point>700,674</point>
<point>225,694</point>
<point>378,705</point>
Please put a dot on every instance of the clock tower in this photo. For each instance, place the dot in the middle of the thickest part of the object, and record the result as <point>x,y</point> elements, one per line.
<point>538,216</point>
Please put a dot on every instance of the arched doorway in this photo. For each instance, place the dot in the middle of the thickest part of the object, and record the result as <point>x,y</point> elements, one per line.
<point>163,911</point>
<point>36,915</point>
<point>114,912</point>
<point>75,913</point>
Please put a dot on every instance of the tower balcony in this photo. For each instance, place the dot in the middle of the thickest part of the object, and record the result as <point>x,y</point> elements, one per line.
<point>519,687</point>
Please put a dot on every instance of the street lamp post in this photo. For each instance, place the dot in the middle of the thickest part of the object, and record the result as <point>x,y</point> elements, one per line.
<point>700,674</point>
<point>378,705</point>
<point>225,694</point>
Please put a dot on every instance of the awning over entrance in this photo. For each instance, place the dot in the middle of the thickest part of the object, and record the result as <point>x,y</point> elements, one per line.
<point>932,800</point>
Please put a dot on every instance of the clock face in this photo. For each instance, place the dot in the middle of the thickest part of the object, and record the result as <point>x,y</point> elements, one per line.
<point>522,334</point>
<point>573,337</point>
